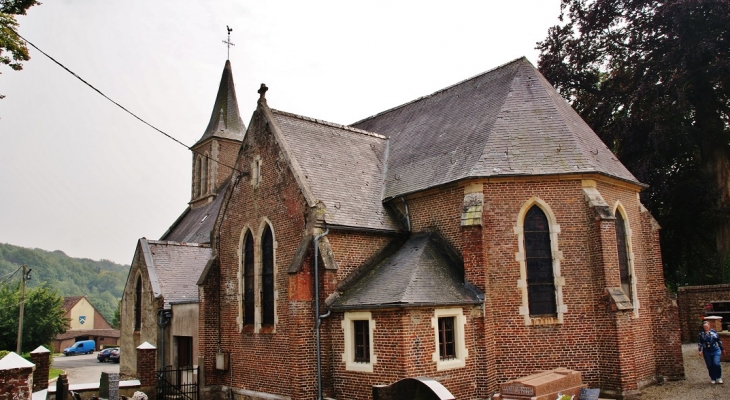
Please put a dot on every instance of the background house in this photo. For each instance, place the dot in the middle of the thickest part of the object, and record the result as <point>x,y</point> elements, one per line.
<point>86,323</point>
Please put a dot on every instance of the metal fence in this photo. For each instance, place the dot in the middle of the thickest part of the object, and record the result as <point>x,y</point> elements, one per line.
<point>178,383</point>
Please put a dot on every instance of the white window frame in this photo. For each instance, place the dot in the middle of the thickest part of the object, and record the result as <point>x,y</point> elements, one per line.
<point>459,337</point>
<point>348,329</point>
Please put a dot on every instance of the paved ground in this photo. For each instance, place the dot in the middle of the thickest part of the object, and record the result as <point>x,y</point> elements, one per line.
<point>696,386</point>
<point>84,368</point>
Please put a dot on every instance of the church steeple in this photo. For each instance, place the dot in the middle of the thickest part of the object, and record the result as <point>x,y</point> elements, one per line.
<point>219,143</point>
<point>225,120</point>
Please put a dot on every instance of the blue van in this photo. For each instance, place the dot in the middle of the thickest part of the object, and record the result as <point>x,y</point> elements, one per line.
<point>82,347</point>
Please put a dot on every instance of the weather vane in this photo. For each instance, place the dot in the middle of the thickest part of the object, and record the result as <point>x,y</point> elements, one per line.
<point>228,42</point>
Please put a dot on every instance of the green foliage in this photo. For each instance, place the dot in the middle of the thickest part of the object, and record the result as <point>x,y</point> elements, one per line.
<point>4,353</point>
<point>652,79</point>
<point>12,49</point>
<point>43,317</point>
<point>101,281</point>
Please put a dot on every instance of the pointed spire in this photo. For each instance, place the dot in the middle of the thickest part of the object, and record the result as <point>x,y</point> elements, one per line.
<point>225,120</point>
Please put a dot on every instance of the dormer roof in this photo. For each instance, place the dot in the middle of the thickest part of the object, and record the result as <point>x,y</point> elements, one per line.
<point>225,120</point>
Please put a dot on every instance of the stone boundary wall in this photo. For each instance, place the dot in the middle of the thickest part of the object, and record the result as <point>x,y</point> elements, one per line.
<point>692,301</point>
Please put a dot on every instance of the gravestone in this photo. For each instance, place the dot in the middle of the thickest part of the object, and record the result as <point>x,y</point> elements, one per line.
<point>589,394</point>
<point>542,386</point>
<point>109,386</point>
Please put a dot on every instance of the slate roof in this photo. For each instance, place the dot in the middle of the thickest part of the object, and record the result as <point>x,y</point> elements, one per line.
<point>423,271</point>
<point>70,301</point>
<point>344,168</point>
<point>508,121</point>
<point>113,333</point>
<point>225,120</point>
<point>194,224</point>
<point>174,268</point>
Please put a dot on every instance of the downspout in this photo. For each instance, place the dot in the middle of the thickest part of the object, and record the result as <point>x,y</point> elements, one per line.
<point>163,318</point>
<point>316,312</point>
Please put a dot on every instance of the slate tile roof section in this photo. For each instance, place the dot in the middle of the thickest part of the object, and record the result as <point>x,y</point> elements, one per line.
<point>70,301</point>
<point>174,268</point>
<point>508,121</point>
<point>344,168</point>
<point>424,271</point>
<point>225,120</point>
<point>194,225</point>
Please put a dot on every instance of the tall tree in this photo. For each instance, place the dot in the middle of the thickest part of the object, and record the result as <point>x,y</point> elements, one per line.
<point>43,317</point>
<point>652,78</point>
<point>12,49</point>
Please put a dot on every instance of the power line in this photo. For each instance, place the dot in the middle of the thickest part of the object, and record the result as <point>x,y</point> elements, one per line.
<point>9,276</point>
<point>114,102</point>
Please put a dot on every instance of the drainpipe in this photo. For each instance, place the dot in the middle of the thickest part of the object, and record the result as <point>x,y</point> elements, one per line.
<point>163,318</point>
<point>316,312</point>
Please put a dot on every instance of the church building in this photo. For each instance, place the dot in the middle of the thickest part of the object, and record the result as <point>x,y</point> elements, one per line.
<point>160,300</point>
<point>474,235</point>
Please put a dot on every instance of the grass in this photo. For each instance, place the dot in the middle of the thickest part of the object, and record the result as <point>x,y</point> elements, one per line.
<point>54,373</point>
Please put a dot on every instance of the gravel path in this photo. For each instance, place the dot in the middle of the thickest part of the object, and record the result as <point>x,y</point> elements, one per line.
<point>695,386</point>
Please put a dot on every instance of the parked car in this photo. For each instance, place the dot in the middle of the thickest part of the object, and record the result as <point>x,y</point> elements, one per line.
<point>105,354</point>
<point>80,347</point>
<point>114,356</point>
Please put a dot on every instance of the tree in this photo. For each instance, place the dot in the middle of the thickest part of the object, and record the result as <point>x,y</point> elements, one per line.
<point>43,317</point>
<point>12,49</point>
<point>652,78</point>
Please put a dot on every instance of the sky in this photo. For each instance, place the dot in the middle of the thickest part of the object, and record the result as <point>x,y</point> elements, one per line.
<point>82,176</point>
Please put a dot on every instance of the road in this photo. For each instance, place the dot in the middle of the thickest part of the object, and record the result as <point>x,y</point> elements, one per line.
<point>83,368</point>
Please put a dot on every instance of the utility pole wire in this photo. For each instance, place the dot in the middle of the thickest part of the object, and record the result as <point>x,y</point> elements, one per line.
<point>115,103</point>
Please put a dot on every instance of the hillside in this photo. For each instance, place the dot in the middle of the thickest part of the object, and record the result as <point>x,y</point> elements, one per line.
<point>101,281</point>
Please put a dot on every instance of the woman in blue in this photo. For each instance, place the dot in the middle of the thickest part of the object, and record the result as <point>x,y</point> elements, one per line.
<point>710,347</point>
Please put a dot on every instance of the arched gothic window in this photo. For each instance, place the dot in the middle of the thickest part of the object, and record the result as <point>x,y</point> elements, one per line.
<point>196,178</point>
<point>267,277</point>
<point>138,304</point>
<point>539,263</point>
<point>204,175</point>
<point>248,280</point>
<point>623,254</point>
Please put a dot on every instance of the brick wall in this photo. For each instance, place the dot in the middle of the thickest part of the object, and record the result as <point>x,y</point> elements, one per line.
<point>146,366</point>
<point>16,383</point>
<point>41,357</point>
<point>692,301</point>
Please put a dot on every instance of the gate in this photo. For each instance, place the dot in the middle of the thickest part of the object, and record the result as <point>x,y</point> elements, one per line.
<point>179,383</point>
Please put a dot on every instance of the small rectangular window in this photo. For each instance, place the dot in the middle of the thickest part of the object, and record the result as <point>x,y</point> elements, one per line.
<point>447,348</point>
<point>362,341</point>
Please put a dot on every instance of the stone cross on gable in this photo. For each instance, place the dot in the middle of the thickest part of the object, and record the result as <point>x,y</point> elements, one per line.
<point>228,42</point>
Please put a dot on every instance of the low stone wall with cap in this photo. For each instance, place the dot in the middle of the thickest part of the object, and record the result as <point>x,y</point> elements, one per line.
<point>16,377</point>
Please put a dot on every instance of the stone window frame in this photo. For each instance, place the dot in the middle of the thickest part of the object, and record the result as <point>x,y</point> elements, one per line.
<point>256,171</point>
<point>196,176</point>
<point>459,337</point>
<point>348,329</point>
<point>204,172</point>
<point>557,255</point>
<point>241,276</point>
<point>138,298</point>
<point>619,207</point>
<point>258,284</point>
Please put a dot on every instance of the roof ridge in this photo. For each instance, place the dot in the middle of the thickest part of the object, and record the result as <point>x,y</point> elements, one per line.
<point>331,124</point>
<point>443,89</point>
<point>174,243</point>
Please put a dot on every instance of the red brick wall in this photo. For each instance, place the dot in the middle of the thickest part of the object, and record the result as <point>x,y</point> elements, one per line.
<point>692,301</point>
<point>259,360</point>
<point>42,361</point>
<point>146,366</point>
<point>403,343</point>
<point>16,383</point>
